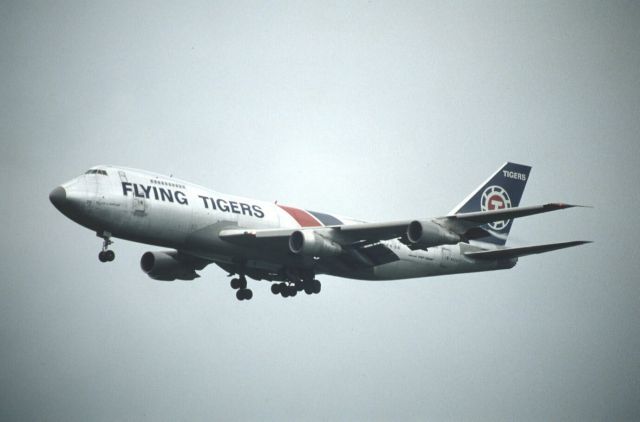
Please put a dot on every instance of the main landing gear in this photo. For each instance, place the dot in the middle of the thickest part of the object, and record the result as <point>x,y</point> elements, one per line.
<point>240,284</point>
<point>106,255</point>
<point>295,281</point>
<point>291,289</point>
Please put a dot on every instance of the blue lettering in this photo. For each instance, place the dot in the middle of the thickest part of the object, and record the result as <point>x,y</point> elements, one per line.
<point>126,187</point>
<point>146,190</point>
<point>181,198</point>
<point>222,207</point>
<point>257,211</point>
<point>246,209</point>
<point>136,192</point>
<point>166,194</point>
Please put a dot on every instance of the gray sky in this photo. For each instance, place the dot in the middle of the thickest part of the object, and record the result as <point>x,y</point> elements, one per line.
<point>365,109</point>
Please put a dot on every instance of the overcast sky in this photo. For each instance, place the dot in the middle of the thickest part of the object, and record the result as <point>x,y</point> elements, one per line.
<point>374,110</point>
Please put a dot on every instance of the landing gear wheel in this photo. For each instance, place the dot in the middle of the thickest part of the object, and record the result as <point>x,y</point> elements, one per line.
<point>308,289</point>
<point>293,291</point>
<point>275,288</point>
<point>244,294</point>
<point>106,255</point>
<point>235,283</point>
<point>239,283</point>
<point>317,286</point>
<point>284,292</point>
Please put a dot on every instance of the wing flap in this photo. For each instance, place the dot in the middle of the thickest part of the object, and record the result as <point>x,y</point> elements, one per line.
<point>374,231</point>
<point>257,238</point>
<point>230,234</point>
<point>379,254</point>
<point>523,251</point>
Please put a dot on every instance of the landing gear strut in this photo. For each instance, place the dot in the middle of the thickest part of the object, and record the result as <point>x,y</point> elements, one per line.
<point>240,284</point>
<point>106,255</point>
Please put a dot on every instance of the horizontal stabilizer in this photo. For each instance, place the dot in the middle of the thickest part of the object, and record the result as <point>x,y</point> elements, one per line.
<point>523,251</point>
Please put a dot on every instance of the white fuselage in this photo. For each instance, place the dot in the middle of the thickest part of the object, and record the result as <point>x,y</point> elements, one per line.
<point>154,209</point>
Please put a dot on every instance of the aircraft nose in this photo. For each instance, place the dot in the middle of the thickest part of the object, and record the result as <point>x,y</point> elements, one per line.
<point>58,198</point>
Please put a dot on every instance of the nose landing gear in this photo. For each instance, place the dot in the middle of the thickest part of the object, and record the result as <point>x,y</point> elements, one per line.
<point>105,254</point>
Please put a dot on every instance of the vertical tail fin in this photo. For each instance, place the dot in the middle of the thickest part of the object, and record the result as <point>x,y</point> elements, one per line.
<point>503,189</point>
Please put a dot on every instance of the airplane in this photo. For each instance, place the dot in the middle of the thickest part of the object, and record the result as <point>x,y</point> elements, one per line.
<point>290,246</point>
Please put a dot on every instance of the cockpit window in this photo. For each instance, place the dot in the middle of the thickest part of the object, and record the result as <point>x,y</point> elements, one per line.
<point>96,171</point>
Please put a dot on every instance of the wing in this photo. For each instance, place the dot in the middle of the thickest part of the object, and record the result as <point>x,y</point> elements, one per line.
<point>468,220</point>
<point>362,241</point>
<point>354,245</point>
<point>344,234</point>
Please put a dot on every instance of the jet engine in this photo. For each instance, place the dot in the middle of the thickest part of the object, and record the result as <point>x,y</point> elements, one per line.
<point>166,266</point>
<point>309,243</point>
<point>426,234</point>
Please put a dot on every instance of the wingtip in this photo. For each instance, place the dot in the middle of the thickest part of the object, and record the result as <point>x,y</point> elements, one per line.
<point>581,242</point>
<point>562,205</point>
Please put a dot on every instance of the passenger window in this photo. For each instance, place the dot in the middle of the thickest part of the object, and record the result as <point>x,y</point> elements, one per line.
<point>94,171</point>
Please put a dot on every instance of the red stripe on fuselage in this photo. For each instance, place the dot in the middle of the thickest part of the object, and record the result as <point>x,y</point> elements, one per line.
<point>302,217</point>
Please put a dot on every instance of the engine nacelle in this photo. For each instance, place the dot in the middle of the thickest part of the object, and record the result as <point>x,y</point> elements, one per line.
<point>426,234</point>
<point>309,243</point>
<point>165,266</point>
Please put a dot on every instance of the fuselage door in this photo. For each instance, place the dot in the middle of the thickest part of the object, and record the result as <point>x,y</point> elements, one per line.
<point>139,205</point>
<point>445,259</point>
<point>91,192</point>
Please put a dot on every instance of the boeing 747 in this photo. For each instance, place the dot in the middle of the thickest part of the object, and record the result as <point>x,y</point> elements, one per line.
<point>290,246</point>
